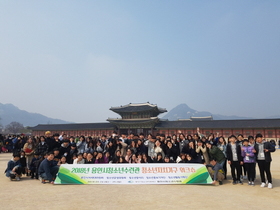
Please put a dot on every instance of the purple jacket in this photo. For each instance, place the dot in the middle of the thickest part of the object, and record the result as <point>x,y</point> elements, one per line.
<point>103,160</point>
<point>251,156</point>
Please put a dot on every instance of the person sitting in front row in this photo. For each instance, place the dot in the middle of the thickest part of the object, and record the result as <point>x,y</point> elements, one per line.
<point>14,168</point>
<point>48,169</point>
<point>215,170</point>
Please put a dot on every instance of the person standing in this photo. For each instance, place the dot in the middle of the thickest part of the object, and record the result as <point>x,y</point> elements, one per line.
<point>263,151</point>
<point>235,159</point>
<point>249,161</point>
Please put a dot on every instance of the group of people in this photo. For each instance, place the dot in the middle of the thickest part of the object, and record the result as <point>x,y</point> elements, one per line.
<point>41,157</point>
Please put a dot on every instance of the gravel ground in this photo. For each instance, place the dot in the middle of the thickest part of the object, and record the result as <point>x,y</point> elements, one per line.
<point>31,194</point>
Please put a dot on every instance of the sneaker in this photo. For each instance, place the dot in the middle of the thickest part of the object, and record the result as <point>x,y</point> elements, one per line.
<point>244,177</point>
<point>249,183</point>
<point>240,182</point>
<point>252,183</point>
<point>17,178</point>
<point>234,182</point>
<point>269,186</point>
<point>220,183</point>
<point>263,184</point>
<point>42,180</point>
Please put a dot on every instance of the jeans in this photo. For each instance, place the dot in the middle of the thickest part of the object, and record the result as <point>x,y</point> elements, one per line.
<point>53,172</point>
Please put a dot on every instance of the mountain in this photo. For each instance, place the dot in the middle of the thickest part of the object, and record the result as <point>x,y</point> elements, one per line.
<point>10,113</point>
<point>183,111</point>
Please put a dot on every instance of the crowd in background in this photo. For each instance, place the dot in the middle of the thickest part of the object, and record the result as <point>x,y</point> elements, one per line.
<point>240,153</point>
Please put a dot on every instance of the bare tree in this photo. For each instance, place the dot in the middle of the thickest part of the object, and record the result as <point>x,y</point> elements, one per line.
<point>14,127</point>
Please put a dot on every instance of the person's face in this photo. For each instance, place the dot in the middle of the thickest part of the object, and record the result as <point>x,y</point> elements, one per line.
<point>128,152</point>
<point>199,144</point>
<point>99,155</point>
<point>221,140</point>
<point>85,155</point>
<point>246,143</point>
<point>232,140</point>
<point>213,162</point>
<point>56,137</point>
<point>169,144</point>
<point>166,160</point>
<point>56,152</point>
<point>42,139</point>
<point>51,157</point>
<point>259,140</point>
<point>240,138</point>
<point>80,157</point>
<point>118,153</point>
<point>29,140</point>
<point>208,145</point>
<point>189,157</point>
<point>157,143</point>
<point>63,159</point>
<point>89,156</point>
<point>16,158</point>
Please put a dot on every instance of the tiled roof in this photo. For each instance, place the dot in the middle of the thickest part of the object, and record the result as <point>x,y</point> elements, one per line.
<point>138,108</point>
<point>224,124</point>
<point>210,124</point>
<point>74,126</point>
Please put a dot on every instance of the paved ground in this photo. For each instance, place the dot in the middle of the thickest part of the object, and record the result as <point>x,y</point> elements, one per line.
<point>31,194</point>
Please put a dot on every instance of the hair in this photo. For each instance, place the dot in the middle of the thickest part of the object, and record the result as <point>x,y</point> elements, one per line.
<point>50,153</point>
<point>181,134</point>
<point>32,142</point>
<point>250,137</point>
<point>16,155</point>
<point>259,135</point>
<point>224,141</point>
<point>42,137</point>
<point>232,136</point>
<point>240,135</point>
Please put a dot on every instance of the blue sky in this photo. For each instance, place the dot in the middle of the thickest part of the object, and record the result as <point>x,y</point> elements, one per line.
<point>73,60</point>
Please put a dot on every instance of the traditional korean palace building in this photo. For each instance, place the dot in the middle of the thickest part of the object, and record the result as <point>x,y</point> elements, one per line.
<point>143,118</point>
